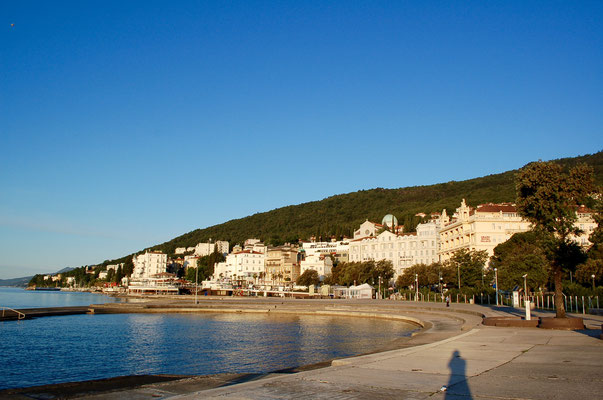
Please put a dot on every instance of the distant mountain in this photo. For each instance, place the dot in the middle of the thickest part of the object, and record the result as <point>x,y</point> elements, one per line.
<point>16,282</point>
<point>340,214</point>
<point>22,282</point>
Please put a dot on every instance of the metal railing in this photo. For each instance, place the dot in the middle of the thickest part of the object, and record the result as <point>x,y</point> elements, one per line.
<point>19,314</point>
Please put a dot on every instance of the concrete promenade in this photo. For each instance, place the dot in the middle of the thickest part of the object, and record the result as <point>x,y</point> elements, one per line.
<point>452,359</point>
<point>453,356</point>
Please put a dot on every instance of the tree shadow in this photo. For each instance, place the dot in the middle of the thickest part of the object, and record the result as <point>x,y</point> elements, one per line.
<point>458,386</point>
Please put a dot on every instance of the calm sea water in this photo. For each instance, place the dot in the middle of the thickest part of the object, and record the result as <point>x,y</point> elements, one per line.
<point>82,347</point>
<point>20,298</point>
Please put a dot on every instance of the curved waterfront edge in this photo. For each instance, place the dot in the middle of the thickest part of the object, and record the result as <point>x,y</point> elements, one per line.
<point>434,324</point>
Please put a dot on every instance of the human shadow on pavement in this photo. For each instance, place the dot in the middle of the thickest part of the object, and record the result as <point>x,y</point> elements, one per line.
<point>457,384</point>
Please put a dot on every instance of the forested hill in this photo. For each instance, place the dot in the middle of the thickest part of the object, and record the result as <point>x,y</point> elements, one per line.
<point>341,214</point>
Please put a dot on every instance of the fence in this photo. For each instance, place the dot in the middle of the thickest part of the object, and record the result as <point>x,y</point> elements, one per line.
<point>573,304</point>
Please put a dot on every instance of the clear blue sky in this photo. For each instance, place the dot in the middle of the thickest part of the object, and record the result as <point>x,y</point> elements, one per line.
<point>126,123</point>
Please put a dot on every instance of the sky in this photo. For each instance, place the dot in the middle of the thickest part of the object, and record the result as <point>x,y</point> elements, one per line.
<point>124,124</point>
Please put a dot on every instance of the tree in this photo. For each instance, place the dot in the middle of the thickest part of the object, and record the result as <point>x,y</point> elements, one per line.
<point>548,197</point>
<point>594,263</point>
<point>469,266</point>
<point>308,278</point>
<point>523,253</point>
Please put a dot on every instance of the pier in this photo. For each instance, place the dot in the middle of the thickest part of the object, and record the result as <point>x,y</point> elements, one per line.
<point>7,314</point>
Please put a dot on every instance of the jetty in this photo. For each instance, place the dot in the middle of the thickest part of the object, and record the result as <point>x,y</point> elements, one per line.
<point>7,314</point>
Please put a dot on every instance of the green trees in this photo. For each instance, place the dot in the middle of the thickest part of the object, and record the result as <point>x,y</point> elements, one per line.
<point>469,267</point>
<point>548,197</point>
<point>428,274</point>
<point>361,272</point>
<point>308,278</point>
<point>205,265</point>
<point>523,253</point>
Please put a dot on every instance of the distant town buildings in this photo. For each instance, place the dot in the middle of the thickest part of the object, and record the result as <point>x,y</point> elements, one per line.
<point>480,228</point>
<point>148,264</point>
<point>282,264</point>
<point>402,249</point>
<point>339,249</point>
<point>242,266</point>
<point>320,263</point>
<point>472,228</point>
<point>205,249</point>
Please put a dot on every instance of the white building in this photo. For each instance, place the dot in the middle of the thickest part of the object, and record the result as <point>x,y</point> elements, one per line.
<point>114,266</point>
<point>368,228</point>
<point>205,249</point>
<point>255,245</point>
<point>402,249</point>
<point>148,264</point>
<point>326,248</point>
<point>587,225</point>
<point>244,265</point>
<point>481,228</point>
<point>190,262</point>
<point>319,263</point>
<point>364,291</point>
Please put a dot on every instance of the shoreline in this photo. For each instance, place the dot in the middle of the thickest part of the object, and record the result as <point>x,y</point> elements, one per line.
<point>448,323</point>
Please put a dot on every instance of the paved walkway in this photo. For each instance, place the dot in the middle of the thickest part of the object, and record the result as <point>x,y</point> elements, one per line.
<point>477,363</point>
<point>454,358</point>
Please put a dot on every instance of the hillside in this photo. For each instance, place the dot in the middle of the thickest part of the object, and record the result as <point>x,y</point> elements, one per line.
<point>341,214</point>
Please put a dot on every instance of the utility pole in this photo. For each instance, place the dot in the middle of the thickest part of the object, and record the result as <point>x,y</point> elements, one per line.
<point>196,282</point>
<point>496,283</point>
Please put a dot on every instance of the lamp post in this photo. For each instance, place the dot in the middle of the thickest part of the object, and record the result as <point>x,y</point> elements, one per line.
<point>458,268</point>
<point>380,286</point>
<point>525,287</point>
<point>417,287</point>
<point>196,283</point>
<point>496,283</point>
<point>593,276</point>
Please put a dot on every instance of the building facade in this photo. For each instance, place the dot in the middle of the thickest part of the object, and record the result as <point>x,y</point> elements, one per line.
<point>402,249</point>
<point>148,264</point>
<point>244,266</point>
<point>319,263</point>
<point>205,249</point>
<point>480,228</point>
<point>340,250</point>
<point>282,264</point>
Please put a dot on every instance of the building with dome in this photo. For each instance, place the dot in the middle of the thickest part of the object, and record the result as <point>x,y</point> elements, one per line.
<point>390,221</point>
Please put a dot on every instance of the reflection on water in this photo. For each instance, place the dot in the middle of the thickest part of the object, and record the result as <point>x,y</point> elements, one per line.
<point>82,347</point>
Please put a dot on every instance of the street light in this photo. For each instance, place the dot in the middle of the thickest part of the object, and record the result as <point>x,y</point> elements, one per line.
<point>417,287</point>
<point>196,283</point>
<point>525,287</point>
<point>496,283</point>
<point>379,287</point>
<point>593,276</point>
<point>458,268</point>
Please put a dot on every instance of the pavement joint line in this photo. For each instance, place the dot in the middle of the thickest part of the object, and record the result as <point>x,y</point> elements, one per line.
<point>399,352</point>
<point>493,368</point>
<point>225,390</point>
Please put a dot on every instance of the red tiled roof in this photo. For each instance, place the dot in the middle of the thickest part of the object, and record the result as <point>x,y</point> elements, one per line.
<point>584,210</point>
<point>490,207</point>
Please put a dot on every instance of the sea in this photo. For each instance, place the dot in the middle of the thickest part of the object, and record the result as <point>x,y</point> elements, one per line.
<point>84,347</point>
